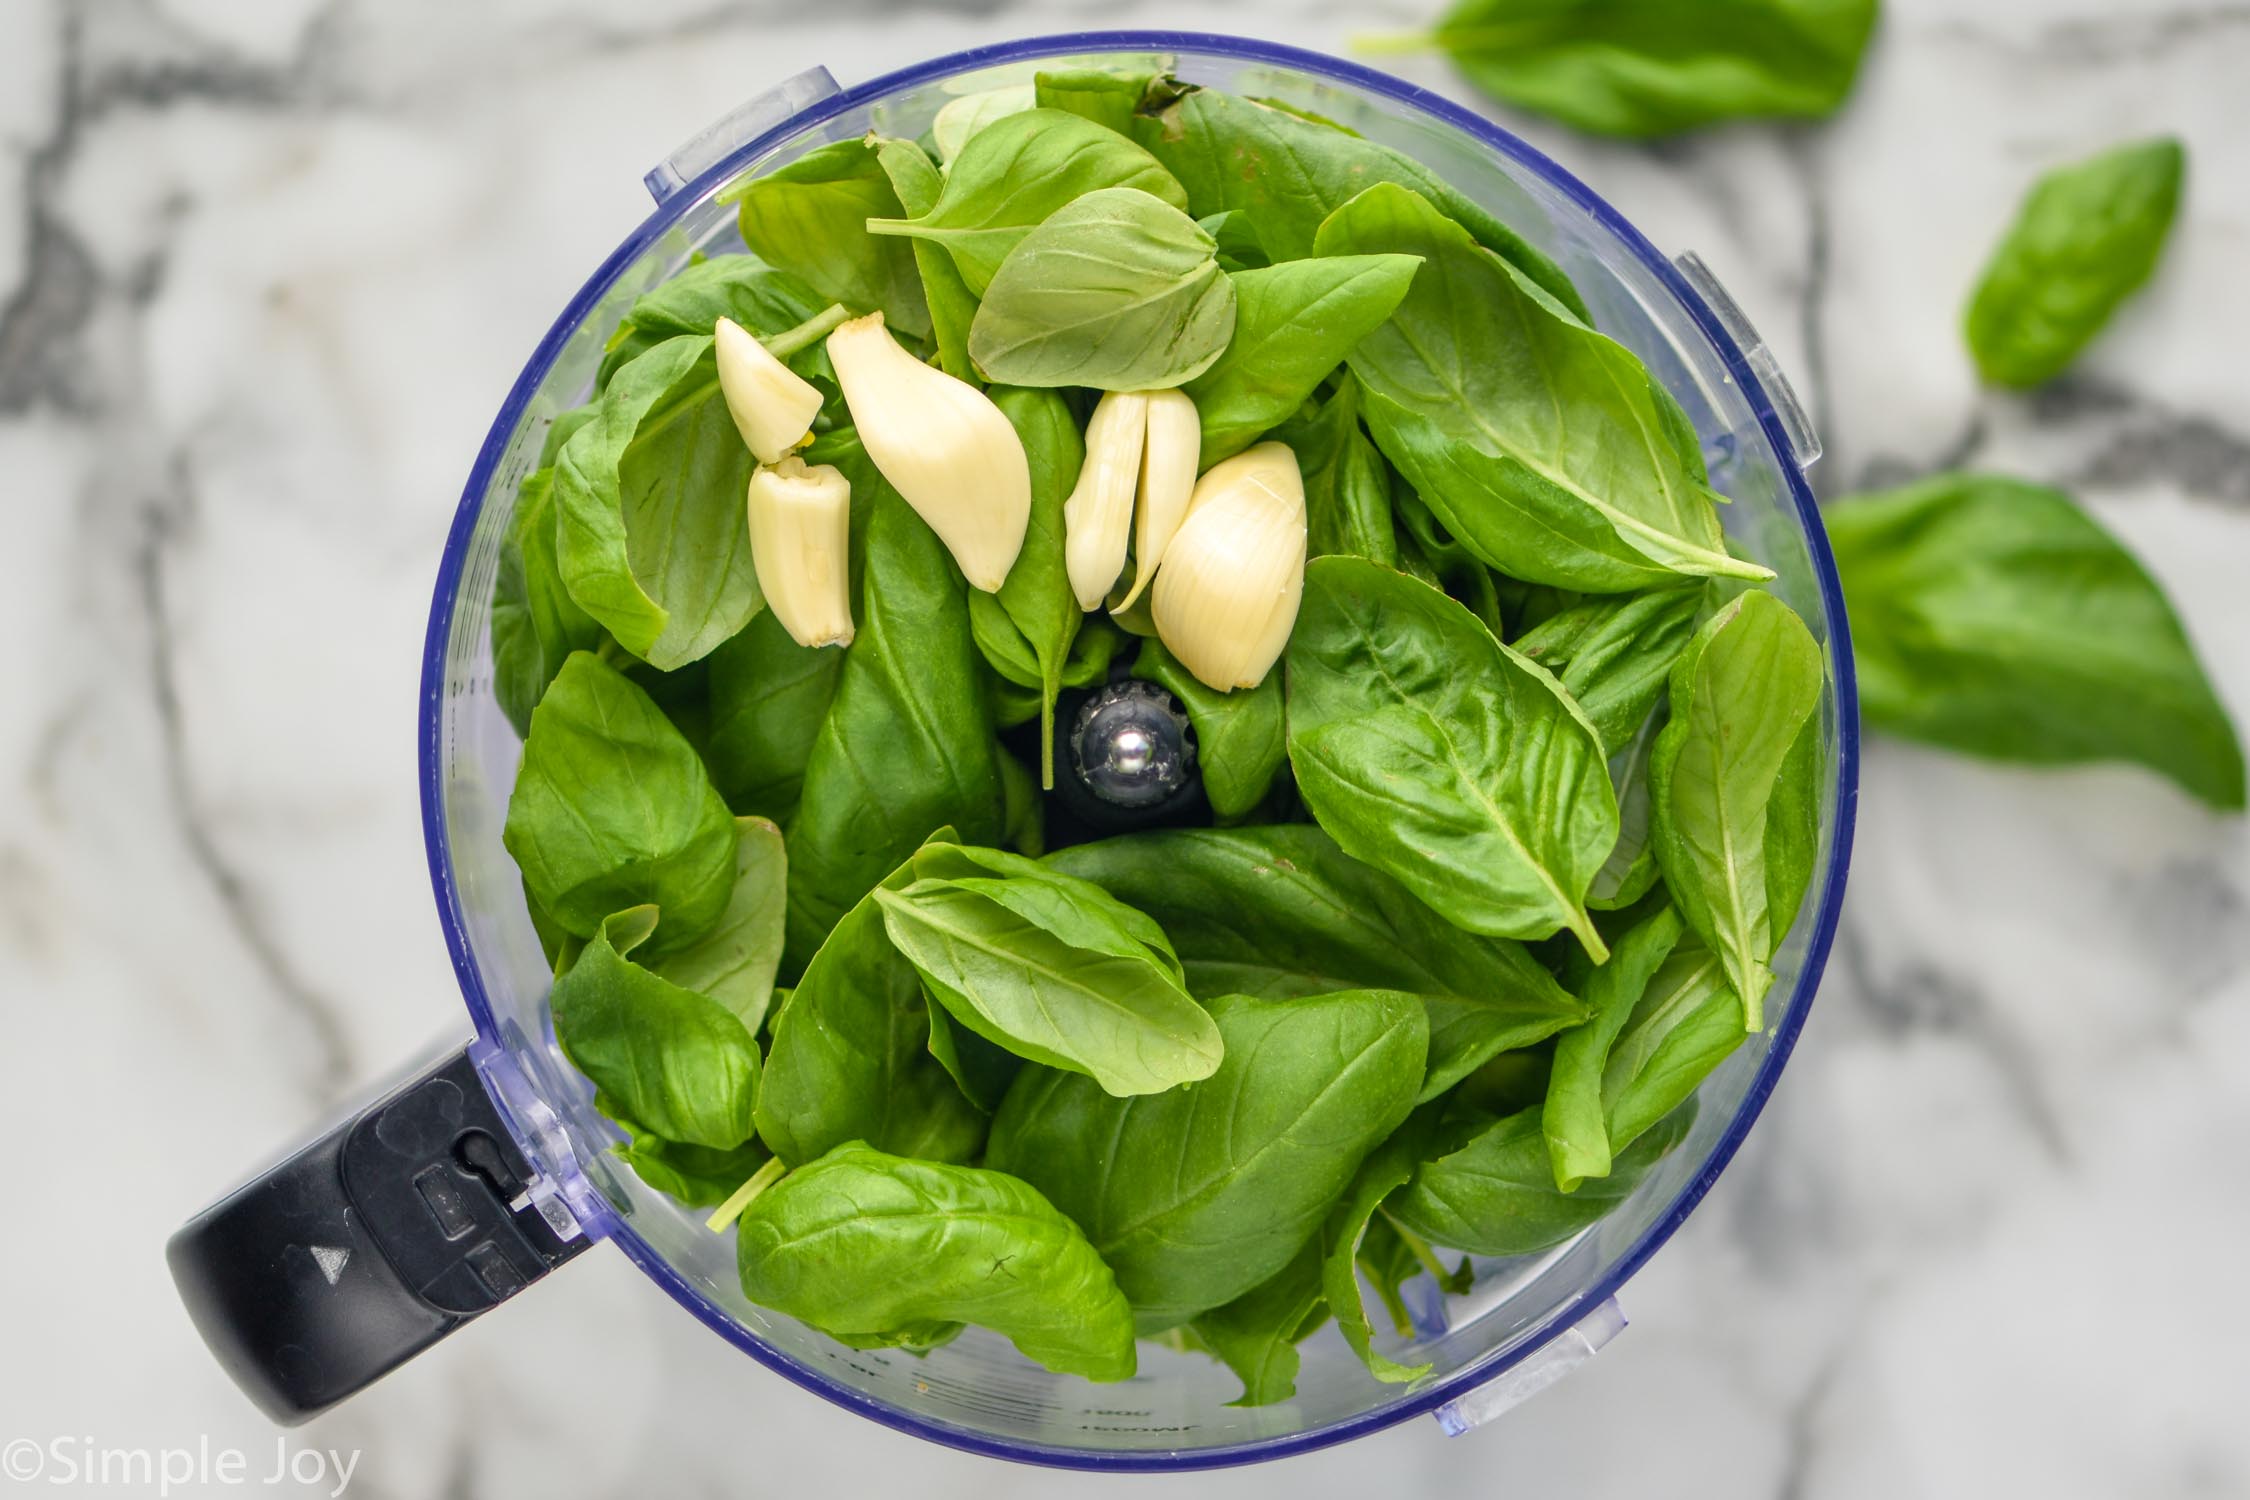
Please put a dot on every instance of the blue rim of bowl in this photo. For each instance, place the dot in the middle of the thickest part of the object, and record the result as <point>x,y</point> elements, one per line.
<point>1438,1393</point>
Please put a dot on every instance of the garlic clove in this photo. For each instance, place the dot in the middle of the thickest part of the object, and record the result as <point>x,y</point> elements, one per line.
<point>941,444</point>
<point>1232,578</point>
<point>1098,516</point>
<point>800,544</point>
<point>772,405</point>
<point>1169,456</point>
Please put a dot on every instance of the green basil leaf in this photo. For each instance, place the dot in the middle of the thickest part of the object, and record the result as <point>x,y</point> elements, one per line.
<point>1614,654</point>
<point>1194,1196</point>
<point>1024,824</point>
<point>810,219</point>
<point>1996,617</point>
<point>1573,1118</point>
<point>1347,483</point>
<point>1292,173</point>
<point>907,744</point>
<point>679,1063</point>
<point>734,962</point>
<point>1016,173</point>
<point>1281,911</point>
<point>1236,234</point>
<point>980,1069</point>
<point>915,178</point>
<point>1630,870</point>
<point>742,287</point>
<point>697,1176</point>
<point>768,698</point>
<point>1685,1024</point>
<point>652,537</point>
<point>1257,1334</point>
<point>1064,906</point>
<point>1496,1193</point>
<point>1104,96</point>
<point>1026,629</point>
<point>612,809</point>
<point>1386,1170</point>
<point>862,1243</point>
<point>1740,694</point>
<point>1293,325</point>
<point>1239,738</point>
<point>1430,750</point>
<point>1117,290</point>
<point>1115,1012</point>
<point>850,1058</point>
<point>1546,448</point>
<point>535,622</point>
<point>2086,238</point>
<point>960,118</point>
<point>1656,67</point>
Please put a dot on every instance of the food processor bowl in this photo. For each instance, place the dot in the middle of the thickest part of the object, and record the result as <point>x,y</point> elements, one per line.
<point>537,1173</point>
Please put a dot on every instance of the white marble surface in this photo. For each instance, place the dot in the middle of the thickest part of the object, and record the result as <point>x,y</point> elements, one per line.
<point>265,272</point>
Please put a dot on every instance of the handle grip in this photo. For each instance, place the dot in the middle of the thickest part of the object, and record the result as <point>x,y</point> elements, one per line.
<point>368,1244</point>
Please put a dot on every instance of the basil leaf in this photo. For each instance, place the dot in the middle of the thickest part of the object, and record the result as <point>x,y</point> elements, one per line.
<point>652,537</point>
<point>915,178</point>
<point>1685,1024</point>
<point>1077,911</point>
<point>1024,824</point>
<point>742,287</point>
<point>1016,173</point>
<point>1105,97</point>
<point>535,622</point>
<point>850,1058</point>
<point>1430,750</point>
<point>1256,1335</point>
<point>1113,1011</point>
<point>959,119</point>
<point>768,698</point>
<point>907,744</point>
<point>810,219</point>
<point>1744,688</point>
<point>1026,629</point>
<point>679,1063</point>
<point>1236,234</point>
<point>1996,617</point>
<point>1614,654</point>
<point>1573,1117</point>
<point>861,1243</point>
<point>734,962</point>
<point>1291,173</point>
<point>1496,1193</point>
<point>2085,239</point>
<point>1387,1169</point>
<point>1347,484</point>
<point>612,809</point>
<point>1239,738</point>
<point>1546,448</point>
<point>1293,325</point>
<point>1194,1196</point>
<point>697,1176</point>
<point>1281,911</point>
<point>1656,67</point>
<point>1630,869</point>
<point>980,1069</point>
<point>1117,290</point>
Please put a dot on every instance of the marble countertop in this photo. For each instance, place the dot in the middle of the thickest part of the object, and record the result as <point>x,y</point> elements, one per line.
<point>266,270</point>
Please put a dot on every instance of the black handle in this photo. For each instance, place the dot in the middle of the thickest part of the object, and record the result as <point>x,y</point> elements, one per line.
<point>368,1244</point>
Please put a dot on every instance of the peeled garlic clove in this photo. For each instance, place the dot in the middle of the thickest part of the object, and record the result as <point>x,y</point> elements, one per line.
<point>800,530</point>
<point>942,444</point>
<point>1168,460</point>
<point>1235,570</point>
<point>773,407</point>
<point>1098,516</point>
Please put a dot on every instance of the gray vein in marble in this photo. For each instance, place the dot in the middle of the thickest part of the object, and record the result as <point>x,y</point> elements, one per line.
<point>2114,39</point>
<point>1801,1425</point>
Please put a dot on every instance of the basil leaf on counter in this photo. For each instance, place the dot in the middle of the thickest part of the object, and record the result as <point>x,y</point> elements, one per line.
<point>1117,290</point>
<point>678,1063</point>
<point>535,622</point>
<point>908,743</point>
<point>768,696</point>
<point>1034,617</point>
<point>1996,617</point>
<point>734,961</point>
<point>1614,654</point>
<point>1573,1118</point>
<point>1293,325</point>
<point>810,219</point>
<point>1656,67</point>
<point>2085,239</point>
<point>861,1243</point>
<point>1257,1334</point>
<point>1282,911</point>
<point>652,537</point>
<point>1740,694</point>
<point>1239,739</point>
<point>1196,1195</point>
<point>612,809</point>
<point>915,178</point>
<point>1347,484</point>
<point>1016,174</point>
<point>1546,448</point>
<point>1430,750</point>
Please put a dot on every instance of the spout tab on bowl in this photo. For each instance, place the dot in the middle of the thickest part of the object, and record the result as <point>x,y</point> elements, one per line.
<point>1804,441</point>
<point>1536,1371</point>
<point>746,122</point>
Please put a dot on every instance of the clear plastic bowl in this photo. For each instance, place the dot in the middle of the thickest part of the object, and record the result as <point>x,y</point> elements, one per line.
<point>1529,1320</point>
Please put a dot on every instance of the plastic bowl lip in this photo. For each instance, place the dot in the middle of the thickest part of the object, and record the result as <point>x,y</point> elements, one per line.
<point>1335,70</point>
